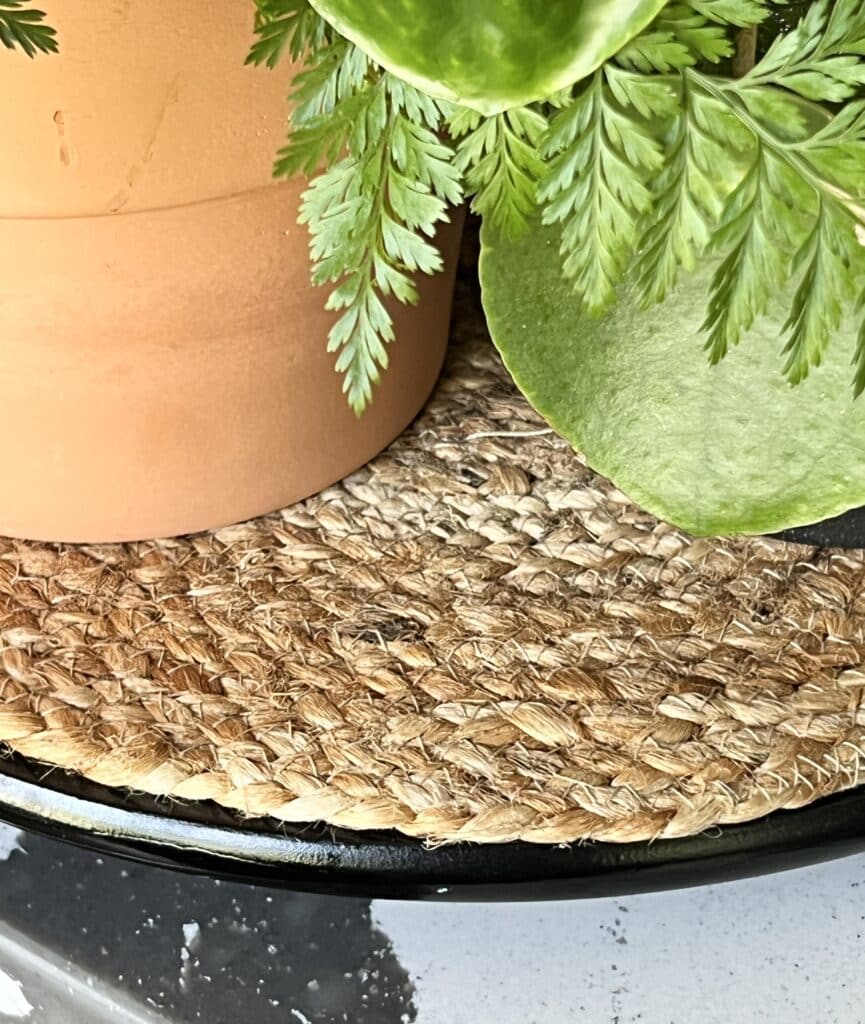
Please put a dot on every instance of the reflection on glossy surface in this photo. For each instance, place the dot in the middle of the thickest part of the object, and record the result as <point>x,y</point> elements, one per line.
<point>86,939</point>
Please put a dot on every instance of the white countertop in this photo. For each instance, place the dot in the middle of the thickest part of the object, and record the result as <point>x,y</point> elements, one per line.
<point>779,949</point>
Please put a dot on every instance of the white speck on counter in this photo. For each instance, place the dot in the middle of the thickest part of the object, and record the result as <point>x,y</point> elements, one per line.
<point>13,1002</point>
<point>191,941</point>
<point>191,935</point>
<point>10,841</point>
<point>300,1017</point>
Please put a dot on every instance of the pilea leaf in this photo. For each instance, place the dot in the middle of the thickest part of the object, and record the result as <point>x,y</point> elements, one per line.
<point>726,449</point>
<point>489,54</point>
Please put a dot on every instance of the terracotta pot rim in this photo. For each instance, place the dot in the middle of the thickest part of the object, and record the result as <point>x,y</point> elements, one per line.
<point>229,197</point>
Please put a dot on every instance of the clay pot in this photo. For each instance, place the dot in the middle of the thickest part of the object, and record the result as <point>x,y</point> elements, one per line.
<point>163,355</point>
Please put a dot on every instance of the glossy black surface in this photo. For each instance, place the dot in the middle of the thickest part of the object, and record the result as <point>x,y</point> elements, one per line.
<point>96,940</point>
<point>844,531</point>
<point>203,838</point>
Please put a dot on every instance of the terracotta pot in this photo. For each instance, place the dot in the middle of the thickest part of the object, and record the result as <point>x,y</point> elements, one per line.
<point>163,356</point>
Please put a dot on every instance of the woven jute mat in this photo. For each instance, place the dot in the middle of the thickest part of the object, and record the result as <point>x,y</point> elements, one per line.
<point>475,638</point>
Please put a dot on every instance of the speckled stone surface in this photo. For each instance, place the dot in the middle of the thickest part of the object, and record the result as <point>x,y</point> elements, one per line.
<point>85,938</point>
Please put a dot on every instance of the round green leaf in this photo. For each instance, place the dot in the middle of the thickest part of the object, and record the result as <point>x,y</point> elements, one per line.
<point>489,54</point>
<point>716,450</point>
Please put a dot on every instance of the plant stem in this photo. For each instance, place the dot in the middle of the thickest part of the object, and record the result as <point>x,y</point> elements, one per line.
<point>746,51</point>
<point>726,93</point>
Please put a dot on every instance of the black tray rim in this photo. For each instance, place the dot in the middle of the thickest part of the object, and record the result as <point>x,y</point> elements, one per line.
<point>845,531</point>
<point>202,838</point>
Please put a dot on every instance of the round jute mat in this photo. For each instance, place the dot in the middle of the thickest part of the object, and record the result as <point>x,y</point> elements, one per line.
<point>475,638</point>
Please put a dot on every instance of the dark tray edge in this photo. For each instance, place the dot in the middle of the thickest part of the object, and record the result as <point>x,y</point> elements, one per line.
<point>202,838</point>
<point>846,531</point>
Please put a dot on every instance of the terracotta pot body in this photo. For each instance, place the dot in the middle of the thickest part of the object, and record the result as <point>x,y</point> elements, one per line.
<point>163,363</point>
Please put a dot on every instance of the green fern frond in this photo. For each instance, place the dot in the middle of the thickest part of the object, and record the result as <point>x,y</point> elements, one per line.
<point>800,202</point>
<point>739,13</point>
<point>382,180</point>
<point>287,26</point>
<point>821,59</point>
<point>688,204</point>
<point>372,217</point>
<point>500,160</point>
<point>756,236</point>
<point>23,27</point>
<point>741,175</point>
<point>601,155</point>
<point>826,290</point>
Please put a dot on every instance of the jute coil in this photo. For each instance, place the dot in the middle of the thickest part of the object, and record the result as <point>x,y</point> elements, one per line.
<point>474,638</point>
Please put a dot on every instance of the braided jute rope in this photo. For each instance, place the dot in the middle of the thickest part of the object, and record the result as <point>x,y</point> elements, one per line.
<point>475,638</point>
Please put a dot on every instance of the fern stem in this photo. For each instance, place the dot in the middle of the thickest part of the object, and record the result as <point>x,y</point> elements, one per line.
<point>746,51</point>
<point>726,94</point>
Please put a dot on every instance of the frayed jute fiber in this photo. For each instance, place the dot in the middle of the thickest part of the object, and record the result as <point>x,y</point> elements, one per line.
<point>474,638</point>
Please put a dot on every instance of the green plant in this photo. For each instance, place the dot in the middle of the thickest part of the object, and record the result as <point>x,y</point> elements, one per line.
<point>23,27</point>
<point>732,448</point>
<point>685,138</point>
<point>629,162</point>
